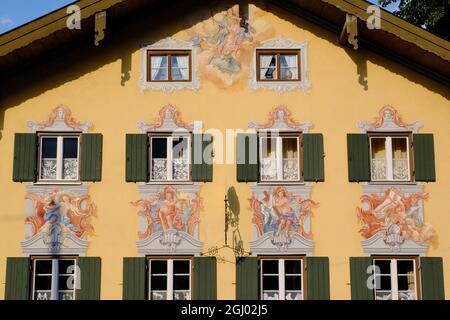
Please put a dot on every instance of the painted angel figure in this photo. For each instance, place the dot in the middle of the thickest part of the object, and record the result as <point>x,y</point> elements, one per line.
<point>168,214</point>
<point>286,217</point>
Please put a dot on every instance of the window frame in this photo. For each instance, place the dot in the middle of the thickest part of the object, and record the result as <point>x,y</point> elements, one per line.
<point>52,259</point>
<point>59,155</point>
<point>279,148</point>
<point>170,135</point>
<point>278,53</point>
<point>167,259</point>
<point>282,276</point>
<point>169,54</point>
<point>417,275</point>
<point>409,152</point>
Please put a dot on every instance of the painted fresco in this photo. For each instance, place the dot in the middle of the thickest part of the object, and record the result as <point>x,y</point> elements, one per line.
<point>168,210</point>
<point>281,213</point>
<point>58,215</point>
<point>226,43</point>
<point>396,215</point>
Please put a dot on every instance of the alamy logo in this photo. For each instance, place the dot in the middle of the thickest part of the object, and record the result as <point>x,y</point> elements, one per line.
<point>374,19</point>
<point>74,20</point>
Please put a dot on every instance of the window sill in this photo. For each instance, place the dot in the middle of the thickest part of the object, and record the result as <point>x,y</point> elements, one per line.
<point>281,183</point>
<point>170,183</point>
<point>65,183</point>
<point>375,183</point>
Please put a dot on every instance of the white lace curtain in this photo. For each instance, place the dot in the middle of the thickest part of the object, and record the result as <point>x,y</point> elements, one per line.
<point>183,66</point>
<point>156,67</point>
<point>289,67</point>
<point>264,62</point>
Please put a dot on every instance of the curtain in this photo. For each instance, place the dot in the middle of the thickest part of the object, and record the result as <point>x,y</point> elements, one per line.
<point>289,67</point>
<point>183,66</point>
<point>265,63</point>
<point>156,63</point>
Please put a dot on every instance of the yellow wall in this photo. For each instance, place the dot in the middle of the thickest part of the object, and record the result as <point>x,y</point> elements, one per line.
<point>335,102</point>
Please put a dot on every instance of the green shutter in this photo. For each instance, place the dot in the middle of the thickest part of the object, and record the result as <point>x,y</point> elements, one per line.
<point>91,157</point>
<point>360,275</point>
<point>90,276</point>
<point>17,278</point>
<point>318,278</point>
<point>25,150</point>
<point>205,278</point>
<point>358,157</point>
<point>313,168</point>
<point>247,159</point>
<point>424,167</point>
<point>137,158</point>
<point>202,157</point>
<point>247,278</point>
<point>134,280</point>
<point>432,278</point>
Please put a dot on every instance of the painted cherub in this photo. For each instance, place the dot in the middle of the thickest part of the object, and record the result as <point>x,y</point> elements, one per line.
<point>286,217</point>
<point>168,213</point>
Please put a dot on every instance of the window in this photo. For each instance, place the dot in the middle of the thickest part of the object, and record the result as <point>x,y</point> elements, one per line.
<point>390,158</point>
<point>169,158</point>
<point>54,279</point>
<point>170,279</point>
<point>278,65</point>
<point>169,66</point>
<point>282,279</point>
<point>395,279</point>
<point>59,157</point>
<point>280,157</point>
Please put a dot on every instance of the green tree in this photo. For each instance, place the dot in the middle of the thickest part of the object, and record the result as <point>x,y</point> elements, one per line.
<point>432,15</point>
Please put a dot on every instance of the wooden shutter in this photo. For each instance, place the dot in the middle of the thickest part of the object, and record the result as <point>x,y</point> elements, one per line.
<point>247,157</point>
<point>17,279</point>
<point>359,278</point>
<point>313,167</point>
<point>247,278</point>
<point>136,157</point>
<point>25,151</point>
<point>318,278</point>
<point>424,166</point>
<point>134,278</point>
<point>432,278</point>
<point>358,157</point>
<point>90,278</point>
<point>202,157</point>
<point>91,157</point>
<point>205,278</point>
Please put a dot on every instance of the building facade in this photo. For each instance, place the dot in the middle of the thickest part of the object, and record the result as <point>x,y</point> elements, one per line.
<point>249,150</point>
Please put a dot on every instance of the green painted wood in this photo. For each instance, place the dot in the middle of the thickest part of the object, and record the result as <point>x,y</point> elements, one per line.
<point>136,158</point>
<point>360,272</point>
<point>318,278</point>
<point>134,278</point>
<point>247,157</point>
<point>358,157</point>
<point>313,154</point>
<point>25,152</point>
<point>432,278</point>
<point>205,278</point>
<point>424,162</point>
<point>202,162</point>
<point>247,278</point>
<point>91,157</point>
<point>17,279</point>
<point>90,278</point>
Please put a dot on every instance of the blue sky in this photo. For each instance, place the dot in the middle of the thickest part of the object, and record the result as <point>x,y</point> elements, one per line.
<point>14,13</point>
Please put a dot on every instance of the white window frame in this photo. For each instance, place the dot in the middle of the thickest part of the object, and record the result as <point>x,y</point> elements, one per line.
<point>170,275</point>
<point>282,276</point>
<point>169,151</point>
<point>59,156</point>
<point>389,157</point>
<point>279,156</point>
<point>394,276</point>
<point>54,292</point>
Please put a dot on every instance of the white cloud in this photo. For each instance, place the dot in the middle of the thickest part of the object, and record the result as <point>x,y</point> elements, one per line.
<point>5,21</point>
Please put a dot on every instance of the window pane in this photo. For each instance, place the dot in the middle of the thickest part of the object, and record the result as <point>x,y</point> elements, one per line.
<point>180,67</point>
<point>66,295</point>
<point>159,148</point>
<point>400,162</point>
<point>70,148</point>
<point>383,282</point>
<point>43,267</point>
<point>48,161</point>
<point>293,283</point>
<point>270,266</point>
<point>270,282</point>
<point>292,266</point>
<point>181,282</point>
<point>42,282</point>
<point>378,153</point>
<point>158,266</point>
<point>49,146</point>
<point>406,282</point>
<point>181,266</point>
<point>66,266</point>
<point>42,295</point>
<point>290,159</point>
<point>269,160</point>
<point>288,67</point>
<point>182,295</point>
<point>180,167</point>
<point>383,266</point>
<point>158,68</point>
<point>405,267</point>
<point>158,282</point>
<point>70,158</point>
<point>66,282</point>
<point>159,159</point>
<point>267,65</point>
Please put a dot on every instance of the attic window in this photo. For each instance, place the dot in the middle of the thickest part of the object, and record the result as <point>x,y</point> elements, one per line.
<point>278,65</point>
<point>169,66</point>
